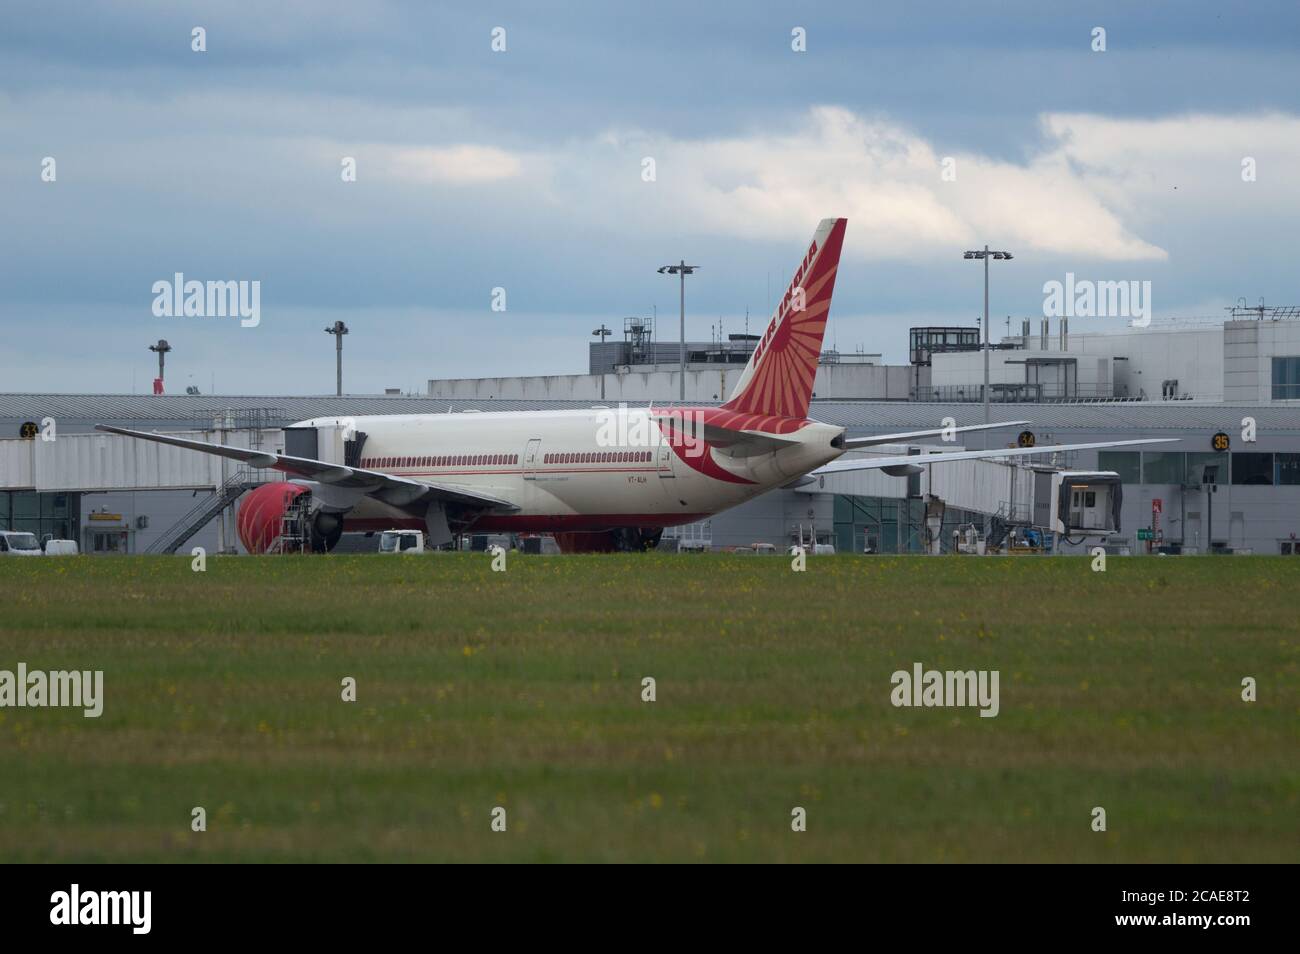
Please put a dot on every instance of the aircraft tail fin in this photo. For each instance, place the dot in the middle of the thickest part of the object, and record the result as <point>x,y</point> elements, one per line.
<point>778,380</point>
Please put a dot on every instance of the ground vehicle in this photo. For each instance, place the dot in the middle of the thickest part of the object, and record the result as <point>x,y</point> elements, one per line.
<point>401,541</point>
<point>60,547</point>
<point>814,549</point>
<point>539,544</point>
<point>18,543</point>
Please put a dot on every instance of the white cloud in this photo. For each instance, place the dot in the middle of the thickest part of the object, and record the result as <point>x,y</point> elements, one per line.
<point>884,178</point>
<point>454,165</point>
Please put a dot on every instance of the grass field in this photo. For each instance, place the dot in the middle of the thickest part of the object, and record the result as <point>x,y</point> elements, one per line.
<point>522,689</point>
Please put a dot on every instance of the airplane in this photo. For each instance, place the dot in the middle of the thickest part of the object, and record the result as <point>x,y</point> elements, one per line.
<point>623,474</point>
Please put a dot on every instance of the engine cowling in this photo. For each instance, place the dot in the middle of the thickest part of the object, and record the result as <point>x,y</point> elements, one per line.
<point>261,515</point>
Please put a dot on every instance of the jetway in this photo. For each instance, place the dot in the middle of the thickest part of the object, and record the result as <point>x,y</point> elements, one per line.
<point>1072,504</point>
<point>109,462</point>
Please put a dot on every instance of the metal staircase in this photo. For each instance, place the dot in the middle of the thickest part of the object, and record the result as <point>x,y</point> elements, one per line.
<point>203,512</point>
<point>295,526</point>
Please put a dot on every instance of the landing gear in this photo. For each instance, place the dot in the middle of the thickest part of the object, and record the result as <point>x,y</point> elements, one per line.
<point>326,529</point>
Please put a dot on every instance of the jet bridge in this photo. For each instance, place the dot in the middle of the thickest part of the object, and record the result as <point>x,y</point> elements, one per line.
<point>1078,503</point>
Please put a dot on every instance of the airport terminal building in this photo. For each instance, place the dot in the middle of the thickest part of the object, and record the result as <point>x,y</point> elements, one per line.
<point>1229,393</point>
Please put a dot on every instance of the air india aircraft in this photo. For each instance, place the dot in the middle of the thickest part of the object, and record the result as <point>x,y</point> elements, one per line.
<point>624,473</point>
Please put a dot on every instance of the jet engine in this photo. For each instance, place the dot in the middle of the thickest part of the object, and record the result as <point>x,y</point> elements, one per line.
<point>279,517</point>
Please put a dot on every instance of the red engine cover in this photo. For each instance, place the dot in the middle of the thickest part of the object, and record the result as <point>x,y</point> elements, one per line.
<point>261,513</point>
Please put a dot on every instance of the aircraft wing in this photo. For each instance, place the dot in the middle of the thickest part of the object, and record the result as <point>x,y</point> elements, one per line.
<point>904,463</point>
<point>874,440</point>
<point>398,491</point>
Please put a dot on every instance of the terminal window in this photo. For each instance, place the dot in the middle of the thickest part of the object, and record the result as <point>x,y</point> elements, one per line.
<point>1288,469</point>
<point>1125,463</point>
<point>1251,468</point>
<point>1163,467</point>
<point>1286,379</point>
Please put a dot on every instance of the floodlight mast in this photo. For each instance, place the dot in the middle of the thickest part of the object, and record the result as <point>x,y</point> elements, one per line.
<point>338,330</point>
<point>986,254</point>
<point>681,269</point>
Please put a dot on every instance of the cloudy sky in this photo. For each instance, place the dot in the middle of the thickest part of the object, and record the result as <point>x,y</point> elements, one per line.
<point>524,169</point>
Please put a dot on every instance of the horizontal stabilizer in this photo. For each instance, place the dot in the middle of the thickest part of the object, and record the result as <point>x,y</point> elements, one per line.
<point>854,442</point>
<point>844,465</point>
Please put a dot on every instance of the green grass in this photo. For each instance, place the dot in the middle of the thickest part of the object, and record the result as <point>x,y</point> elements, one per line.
<point>523,689</point>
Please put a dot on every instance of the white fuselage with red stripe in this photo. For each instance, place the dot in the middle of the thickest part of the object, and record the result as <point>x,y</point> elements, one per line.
<point>584,470</point>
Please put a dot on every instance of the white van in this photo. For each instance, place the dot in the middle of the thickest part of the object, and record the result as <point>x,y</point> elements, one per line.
<point>401,541</point>
<point>60,547</point>
<point>18,543</point>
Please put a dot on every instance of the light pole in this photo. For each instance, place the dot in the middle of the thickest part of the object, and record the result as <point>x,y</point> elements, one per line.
<point>338,330</point>
<point>681,269</point>
<point>162,347</point>
<point>602,333</point>
<point>986,255</point>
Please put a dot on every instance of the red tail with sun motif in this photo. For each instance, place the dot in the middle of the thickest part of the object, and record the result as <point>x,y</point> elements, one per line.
<point>778,381</point>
